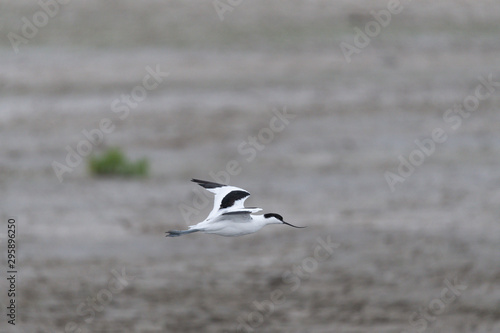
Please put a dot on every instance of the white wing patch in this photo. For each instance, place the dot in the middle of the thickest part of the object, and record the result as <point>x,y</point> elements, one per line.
<point>227,198</point>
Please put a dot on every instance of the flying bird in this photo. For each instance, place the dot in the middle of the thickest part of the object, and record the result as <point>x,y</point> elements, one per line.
<point>230,217</point>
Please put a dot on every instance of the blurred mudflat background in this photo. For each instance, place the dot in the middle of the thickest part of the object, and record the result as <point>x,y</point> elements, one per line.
<point>389,154</point>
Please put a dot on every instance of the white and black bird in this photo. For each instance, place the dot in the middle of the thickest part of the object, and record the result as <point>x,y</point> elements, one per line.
<point>230,217</point>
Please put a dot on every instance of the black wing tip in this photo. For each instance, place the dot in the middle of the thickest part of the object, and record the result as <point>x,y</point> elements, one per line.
<point>207,184</point>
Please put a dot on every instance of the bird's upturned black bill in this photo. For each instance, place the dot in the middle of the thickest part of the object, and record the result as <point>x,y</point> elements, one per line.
<point>291,225</point>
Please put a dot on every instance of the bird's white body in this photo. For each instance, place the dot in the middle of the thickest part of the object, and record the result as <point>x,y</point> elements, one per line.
<point>233,224</point>
<point>230,217</point>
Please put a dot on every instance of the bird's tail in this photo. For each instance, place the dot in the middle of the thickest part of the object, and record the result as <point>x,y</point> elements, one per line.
<point>177,233</point>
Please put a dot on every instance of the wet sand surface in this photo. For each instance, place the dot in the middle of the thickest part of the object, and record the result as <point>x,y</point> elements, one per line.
<point>92,256</point>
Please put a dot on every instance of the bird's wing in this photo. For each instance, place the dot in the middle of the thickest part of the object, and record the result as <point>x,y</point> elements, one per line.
<point>227,198</point>
<point>237,216</point>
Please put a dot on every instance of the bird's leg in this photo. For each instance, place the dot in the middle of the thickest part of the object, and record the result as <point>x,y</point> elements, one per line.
<point>177,233</point>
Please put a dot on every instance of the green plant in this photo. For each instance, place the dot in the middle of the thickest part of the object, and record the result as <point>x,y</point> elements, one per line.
<point>113,162</point>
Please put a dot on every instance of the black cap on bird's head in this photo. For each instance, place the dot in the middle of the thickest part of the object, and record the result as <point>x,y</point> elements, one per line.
<point>269,215</point>
<point>280,218</point>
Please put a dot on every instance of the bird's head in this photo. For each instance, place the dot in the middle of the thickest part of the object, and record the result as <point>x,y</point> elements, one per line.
<point>273,218</point>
